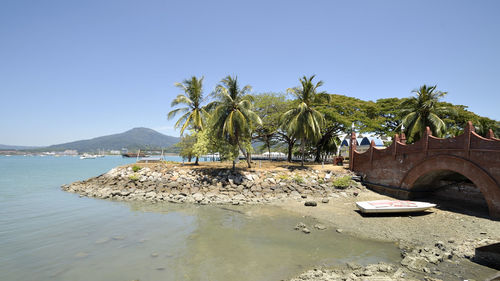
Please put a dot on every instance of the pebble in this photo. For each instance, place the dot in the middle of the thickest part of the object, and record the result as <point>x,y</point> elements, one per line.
<point>339,230</point>
<point>154,255</point>
<point>102,240</point>
<point>306,230</point>
<point>325,200</point>
<point>81,255</point>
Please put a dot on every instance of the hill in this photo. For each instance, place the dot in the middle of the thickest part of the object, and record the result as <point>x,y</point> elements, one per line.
<point>136,138</point>
<point>16,147</point>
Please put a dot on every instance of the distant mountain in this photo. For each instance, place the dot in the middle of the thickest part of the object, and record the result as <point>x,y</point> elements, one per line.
<point>137,138</point>
<point>16,147</point>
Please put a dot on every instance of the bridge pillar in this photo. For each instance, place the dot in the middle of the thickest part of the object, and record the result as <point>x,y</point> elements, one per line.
<point>352,148</point>
<point>403,138</point>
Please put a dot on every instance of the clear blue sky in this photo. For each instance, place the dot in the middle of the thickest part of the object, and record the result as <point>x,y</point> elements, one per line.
<point>72,70</point>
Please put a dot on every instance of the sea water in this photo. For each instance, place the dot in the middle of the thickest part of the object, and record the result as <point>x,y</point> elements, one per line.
<point>49,234</point>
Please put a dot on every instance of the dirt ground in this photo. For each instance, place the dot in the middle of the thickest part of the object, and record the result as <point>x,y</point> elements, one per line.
<point>263,165</point>
<point>418,228</point>
<point>460,233</point>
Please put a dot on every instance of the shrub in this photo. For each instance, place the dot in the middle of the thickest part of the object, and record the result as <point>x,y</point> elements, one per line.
<point>298,179</point>
<point>136,168</point>
<point>342,182</point>
<point>134,177</point>
<point>283,177</point>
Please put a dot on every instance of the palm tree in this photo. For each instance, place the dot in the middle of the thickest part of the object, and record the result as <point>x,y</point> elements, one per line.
<point>193,114</point>
<point>423,111</point>
<point>233,116</point>
<point>304,122</point>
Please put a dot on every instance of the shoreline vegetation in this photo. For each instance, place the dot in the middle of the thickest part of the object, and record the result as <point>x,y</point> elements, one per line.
<point>435,245</point>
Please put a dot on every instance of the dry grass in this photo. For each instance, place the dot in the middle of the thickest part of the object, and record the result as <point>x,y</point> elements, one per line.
<point>256,166</point>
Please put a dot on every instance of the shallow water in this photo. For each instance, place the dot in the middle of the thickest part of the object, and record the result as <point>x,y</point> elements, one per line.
<point>48,234</point>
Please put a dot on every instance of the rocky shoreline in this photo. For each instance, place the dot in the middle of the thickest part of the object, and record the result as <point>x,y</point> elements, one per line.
<point>428,252</point>
<point>176,184</point>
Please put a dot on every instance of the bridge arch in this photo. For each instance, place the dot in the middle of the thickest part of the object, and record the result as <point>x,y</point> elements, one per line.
<point>481,179</point>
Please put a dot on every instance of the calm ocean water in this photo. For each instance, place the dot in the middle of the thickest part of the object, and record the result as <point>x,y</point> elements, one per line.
<point>49,234</point>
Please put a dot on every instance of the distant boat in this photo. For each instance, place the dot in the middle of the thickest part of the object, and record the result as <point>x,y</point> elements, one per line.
<point>393,206</point>
<point>133,155</point>
<point>88,156</point>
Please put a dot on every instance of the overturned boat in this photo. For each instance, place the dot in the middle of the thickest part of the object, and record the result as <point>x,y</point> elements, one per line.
<point>393,206</point>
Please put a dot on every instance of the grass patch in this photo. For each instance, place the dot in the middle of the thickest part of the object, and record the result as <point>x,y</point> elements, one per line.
<point>342,182</point>
<point>136,168</point>
<point>298,179</point>
<point>283,177</point>
<point>134,177</point>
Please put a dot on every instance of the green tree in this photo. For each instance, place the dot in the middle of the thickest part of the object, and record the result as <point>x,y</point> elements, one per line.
<point>390,116</point>
<point>340,112</point>
<point>269,107</point>
<point>423,111</point>
<point>186,146</point>
<point>193,114</point>
<point>233,118</point>
<point>304,122</point>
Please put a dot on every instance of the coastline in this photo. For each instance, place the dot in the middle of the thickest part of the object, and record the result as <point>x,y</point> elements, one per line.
<point>433,244</point>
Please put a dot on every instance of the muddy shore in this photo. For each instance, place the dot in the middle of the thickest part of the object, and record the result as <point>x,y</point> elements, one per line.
<point>435,245</point>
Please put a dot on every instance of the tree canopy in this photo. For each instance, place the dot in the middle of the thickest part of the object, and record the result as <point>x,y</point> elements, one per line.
<point>235,118</point>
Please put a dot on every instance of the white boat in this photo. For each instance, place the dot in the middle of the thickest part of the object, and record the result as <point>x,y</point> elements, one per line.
<point>87,156</point>
<point>393,206</point>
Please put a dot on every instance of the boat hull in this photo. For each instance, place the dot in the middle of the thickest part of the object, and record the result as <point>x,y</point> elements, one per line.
<point>393,206</point>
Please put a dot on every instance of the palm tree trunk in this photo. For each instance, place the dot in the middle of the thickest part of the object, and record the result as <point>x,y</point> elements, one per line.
<point>302,147</point>
<point>290,150</point>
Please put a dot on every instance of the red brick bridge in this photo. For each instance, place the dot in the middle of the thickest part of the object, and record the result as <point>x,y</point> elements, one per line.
<point>403,170</point>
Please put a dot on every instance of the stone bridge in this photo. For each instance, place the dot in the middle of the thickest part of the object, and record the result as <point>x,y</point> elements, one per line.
<point>402,170</point>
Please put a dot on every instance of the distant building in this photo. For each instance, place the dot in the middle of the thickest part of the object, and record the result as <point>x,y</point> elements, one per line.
<point>70,152</point>
<point>362,143</point>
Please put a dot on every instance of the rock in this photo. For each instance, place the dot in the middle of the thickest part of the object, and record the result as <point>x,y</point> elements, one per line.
<point>306,230</point>
<point>367,273</point>
<point>300,226</point>
<point>339,230</point>
<point>319,226</point>
<point>414,263</point>
<point>439,245</point>
<point>303,196</point>
<point>198,197</point>
<point>325,200</point>
<point>311,204</point>
<point>154,255</point>
<point>353,266</point>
